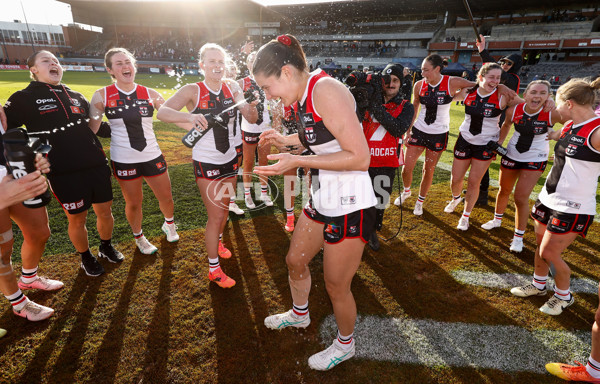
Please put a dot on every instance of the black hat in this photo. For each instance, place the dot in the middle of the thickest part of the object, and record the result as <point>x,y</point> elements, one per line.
<point>394,69</point>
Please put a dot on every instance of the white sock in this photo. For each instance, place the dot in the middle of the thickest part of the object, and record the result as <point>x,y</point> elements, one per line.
<point>539,281</point>
<point>18,300</point>
<point>344,342</point>
<point>300,311</point>
<point>213,264</point>
<point>28,276</point>
<point>593,368</point>
<point>563,294</point>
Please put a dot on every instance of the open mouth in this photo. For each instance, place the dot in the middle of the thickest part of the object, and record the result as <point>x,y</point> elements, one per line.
<point>54,71</point>
<point>127,74</point>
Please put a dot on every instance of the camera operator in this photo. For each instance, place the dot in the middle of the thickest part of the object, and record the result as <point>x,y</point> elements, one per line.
<point>387,118</point>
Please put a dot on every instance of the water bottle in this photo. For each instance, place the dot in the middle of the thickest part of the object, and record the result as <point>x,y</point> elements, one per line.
<point>20,151</point>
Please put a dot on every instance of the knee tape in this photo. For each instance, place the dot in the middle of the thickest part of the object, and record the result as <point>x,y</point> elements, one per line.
<point>6,242</point>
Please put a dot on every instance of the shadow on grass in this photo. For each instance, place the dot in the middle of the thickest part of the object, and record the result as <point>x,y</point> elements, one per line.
<point>84,292</point>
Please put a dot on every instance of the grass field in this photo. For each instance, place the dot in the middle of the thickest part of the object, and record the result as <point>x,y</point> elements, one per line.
<point>156,319</point>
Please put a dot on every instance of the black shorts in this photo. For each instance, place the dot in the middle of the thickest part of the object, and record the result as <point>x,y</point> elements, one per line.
<point>464,150</point>
<point>132,171</point>
<point>215,171</point>
<point>335,229</point>
<point>77,191</point>
<point>433,142</point>
<point>250,137</point>
<point>559,222</point>
<point>508,163</point>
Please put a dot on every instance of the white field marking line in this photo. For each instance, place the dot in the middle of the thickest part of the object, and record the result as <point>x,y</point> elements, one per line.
<point>509,280</point>
<point>439,344</point>
<point>493,182</point>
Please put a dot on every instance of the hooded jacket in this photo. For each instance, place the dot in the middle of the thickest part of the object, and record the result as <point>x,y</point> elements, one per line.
<point>511,78</point>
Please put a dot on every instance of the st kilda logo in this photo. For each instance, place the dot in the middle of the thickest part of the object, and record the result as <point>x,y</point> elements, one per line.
<point>308,122</point>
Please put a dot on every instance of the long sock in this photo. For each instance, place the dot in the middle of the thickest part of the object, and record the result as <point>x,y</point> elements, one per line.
<point>344,342</point>
<point>213,264</point>
<point>593,367</point>
<point>519,234</point>
<point>300,288</point>
<point>300,311</point>
<point>18,300</point>
<point>539,281</point>
<point>563,294</point>
<point>29,275</point>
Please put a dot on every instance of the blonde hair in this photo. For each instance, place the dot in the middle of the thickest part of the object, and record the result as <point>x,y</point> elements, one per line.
<point>211,46</point>
<point>581,91</point>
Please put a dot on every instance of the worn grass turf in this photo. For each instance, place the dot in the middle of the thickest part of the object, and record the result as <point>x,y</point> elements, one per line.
<point>157,319</point>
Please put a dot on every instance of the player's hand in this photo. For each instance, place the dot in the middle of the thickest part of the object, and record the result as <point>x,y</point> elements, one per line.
<point>198,121</point>
<point>41,163</point>
<point>248,47</point>
<point>285,162</point>
<point>549,105</point>
<point>481,43</point>
<point>271,137</point>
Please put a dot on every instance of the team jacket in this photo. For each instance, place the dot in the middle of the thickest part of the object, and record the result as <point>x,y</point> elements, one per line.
<point>130,117</point>
<point>61,115</point>
<point>573,180</point>
<point>382,145</point>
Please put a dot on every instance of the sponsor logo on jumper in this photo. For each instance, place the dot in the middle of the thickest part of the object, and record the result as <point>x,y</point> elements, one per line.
<point>47,107</point>
<point>573,204</point>
<point>42,101</point>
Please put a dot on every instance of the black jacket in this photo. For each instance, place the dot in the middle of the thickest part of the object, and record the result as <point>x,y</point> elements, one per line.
<point>511,78</point>
<point>62,114</point>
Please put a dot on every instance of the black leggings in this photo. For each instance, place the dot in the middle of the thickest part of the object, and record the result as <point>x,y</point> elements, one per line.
<point>383,189</point>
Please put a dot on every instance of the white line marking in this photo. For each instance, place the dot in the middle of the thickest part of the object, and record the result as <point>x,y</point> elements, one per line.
<point>432,343</point>
<point>509,280</point>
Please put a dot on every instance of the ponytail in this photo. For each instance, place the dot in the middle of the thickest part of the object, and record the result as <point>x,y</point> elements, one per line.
<point>437,61</point>
<point>272,56</point>
<point>581,91</point>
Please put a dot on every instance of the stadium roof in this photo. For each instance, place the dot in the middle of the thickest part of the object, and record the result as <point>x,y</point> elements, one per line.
<point>215,11</point>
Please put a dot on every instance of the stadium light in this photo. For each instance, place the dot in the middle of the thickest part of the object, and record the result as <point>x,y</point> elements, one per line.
<point>270,3</point>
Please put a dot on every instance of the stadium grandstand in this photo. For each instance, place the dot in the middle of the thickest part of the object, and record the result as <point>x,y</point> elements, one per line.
<point>558,40</point>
